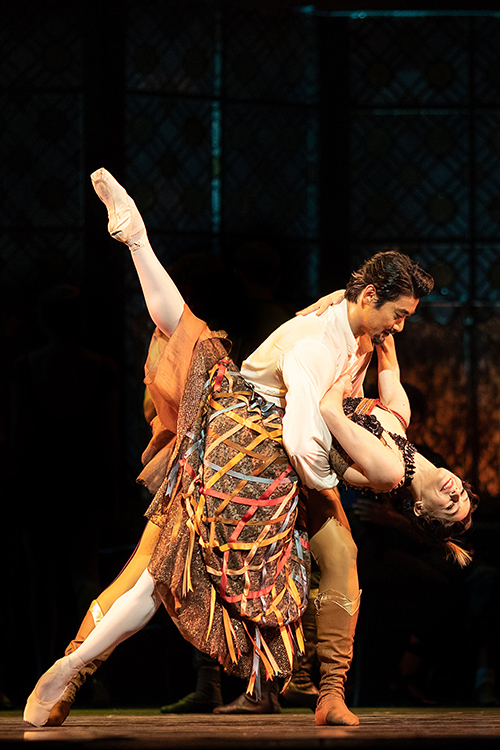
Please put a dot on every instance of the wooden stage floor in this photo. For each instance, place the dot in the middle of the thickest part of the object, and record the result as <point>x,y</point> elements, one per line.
<point>380,727</point>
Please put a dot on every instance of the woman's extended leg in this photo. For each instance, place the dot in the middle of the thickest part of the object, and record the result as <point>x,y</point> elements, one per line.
<point>166,306</point>
<point>163,299</point>
<point>129,613</point>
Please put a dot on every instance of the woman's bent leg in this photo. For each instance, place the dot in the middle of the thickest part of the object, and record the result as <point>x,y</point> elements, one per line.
<point>62,708</point>
<point>129,613</point>
<point>128,577</point>
<point>133,570</point>
<point>127,616</point>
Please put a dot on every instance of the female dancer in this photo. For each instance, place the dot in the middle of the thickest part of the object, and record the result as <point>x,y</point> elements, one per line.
<point>438,501</point>
<point>224,547</point>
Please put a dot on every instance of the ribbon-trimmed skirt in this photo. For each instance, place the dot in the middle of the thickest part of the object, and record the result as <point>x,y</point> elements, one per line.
<point>232,563</point>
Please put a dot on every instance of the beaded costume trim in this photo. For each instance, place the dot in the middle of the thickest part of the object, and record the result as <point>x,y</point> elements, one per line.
<point>359,411</point>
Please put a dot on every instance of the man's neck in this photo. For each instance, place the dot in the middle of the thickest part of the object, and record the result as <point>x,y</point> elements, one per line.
<point>353,316</point>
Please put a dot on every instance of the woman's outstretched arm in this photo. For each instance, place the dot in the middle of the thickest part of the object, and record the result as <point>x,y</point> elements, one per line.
<point>164,301</point>
<point>391,392</point>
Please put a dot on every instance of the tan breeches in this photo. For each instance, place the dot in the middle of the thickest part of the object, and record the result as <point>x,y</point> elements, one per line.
<point>331,543</point>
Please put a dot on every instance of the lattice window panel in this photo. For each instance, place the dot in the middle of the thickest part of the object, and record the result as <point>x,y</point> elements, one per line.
<point>486,61</point>
<point>35,259</point>
<point>487,273</point>
<point>43,46</point>
<point>409,62</point>
<point>41,140</point>
<point>432,357</point>
<point>41,130</point>
<point>486,173</point>
<point>269,163</point>
<point>409,176</point>
<point>171,47</point>
<point>300,275</point>
<point>169,161</point>
<point>269,56</point>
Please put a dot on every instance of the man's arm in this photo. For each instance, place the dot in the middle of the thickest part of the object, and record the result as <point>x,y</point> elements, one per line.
<point>308,369</point>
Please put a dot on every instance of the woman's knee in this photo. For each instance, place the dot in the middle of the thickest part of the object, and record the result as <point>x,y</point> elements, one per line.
<point>133,570</point>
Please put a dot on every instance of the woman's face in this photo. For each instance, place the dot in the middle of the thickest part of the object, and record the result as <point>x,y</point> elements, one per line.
<point>444,497</point>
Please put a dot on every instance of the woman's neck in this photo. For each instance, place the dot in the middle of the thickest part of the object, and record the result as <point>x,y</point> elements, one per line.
<point>423,472</point>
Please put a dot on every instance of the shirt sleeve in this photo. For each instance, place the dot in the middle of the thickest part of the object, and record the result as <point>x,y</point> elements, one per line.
<point>308,370</point>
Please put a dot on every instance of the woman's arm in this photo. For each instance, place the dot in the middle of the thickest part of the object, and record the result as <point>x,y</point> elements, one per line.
<point>374,466</point>
<point>334,298</point>
<point>391,392</point>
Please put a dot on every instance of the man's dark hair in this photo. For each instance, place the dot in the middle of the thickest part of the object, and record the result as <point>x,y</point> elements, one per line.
<point>393,274</point>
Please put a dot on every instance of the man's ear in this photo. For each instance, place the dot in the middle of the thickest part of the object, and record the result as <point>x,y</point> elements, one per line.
<point>369,294</point>
<point>417,507</point>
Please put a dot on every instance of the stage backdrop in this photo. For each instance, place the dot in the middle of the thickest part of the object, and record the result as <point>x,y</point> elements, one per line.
<point>325,136</point>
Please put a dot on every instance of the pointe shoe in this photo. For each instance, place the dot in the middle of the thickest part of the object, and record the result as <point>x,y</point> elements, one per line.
<point>62,708</point>
<point>49,689</point>
<point>125,223</point>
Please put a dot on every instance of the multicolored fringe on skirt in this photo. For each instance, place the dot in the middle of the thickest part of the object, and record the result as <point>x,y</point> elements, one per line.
<point>232,563</point>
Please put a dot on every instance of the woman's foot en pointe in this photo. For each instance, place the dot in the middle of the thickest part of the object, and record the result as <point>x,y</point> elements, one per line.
<point>125,223</point>
<point>50,688</point>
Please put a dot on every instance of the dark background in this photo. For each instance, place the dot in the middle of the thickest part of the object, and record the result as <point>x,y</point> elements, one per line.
<point>327,133</point>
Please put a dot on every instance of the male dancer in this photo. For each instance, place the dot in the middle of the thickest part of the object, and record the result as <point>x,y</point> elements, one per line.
<point>293,368</point>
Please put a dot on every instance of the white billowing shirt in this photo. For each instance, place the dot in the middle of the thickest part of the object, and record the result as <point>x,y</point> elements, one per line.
<point>294,368</point>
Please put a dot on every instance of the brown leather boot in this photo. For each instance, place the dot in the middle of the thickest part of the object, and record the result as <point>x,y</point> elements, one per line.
<point>207,694</point>
<point>246,704</point>
<point>335,624</point>
<point>60,711</point>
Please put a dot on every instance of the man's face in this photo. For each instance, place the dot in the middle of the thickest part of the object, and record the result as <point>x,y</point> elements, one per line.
<point>389,318</point>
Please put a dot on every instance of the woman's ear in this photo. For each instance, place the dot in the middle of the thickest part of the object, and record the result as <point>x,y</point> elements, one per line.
<point>417,507</point>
